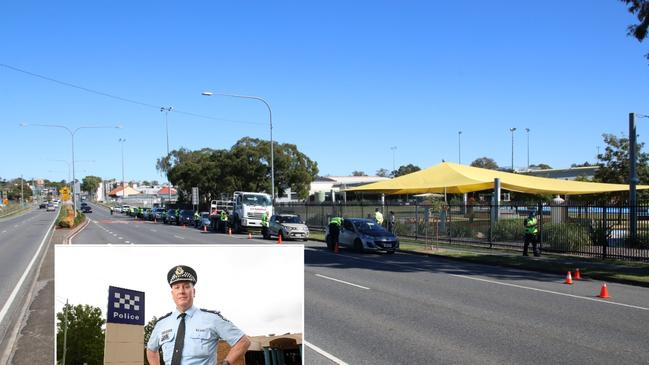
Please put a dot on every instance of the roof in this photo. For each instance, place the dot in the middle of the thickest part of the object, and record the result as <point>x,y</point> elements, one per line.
<point>455,178</point>
<point>165,191</point>
<point>127,192</point>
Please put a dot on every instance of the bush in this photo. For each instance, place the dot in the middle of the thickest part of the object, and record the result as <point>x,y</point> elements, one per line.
<point>460,230</point>
<point>508,230</point>
<point>66,217</point>
<point>566,236</point>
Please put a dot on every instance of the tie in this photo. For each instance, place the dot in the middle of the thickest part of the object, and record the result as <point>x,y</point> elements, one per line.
<point>180,341</point>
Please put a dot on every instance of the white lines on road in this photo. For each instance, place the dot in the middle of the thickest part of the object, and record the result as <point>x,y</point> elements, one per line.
<point>120,238</point>
<point>4,231</point>
<point>325,353</point>
<point>548,291</point>
<point>153,230</point>
<point>127,241</point>
<point>341,281</point>
<point>182,238</point>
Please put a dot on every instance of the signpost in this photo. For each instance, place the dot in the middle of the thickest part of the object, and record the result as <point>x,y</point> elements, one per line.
<point>195,197</point>
<point>124,327</point>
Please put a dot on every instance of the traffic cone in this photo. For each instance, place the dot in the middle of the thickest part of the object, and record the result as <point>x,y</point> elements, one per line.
<point>249,235</point>
<point>336,248</point>
<point>230,231</point>
<point>568,278</point>
<point>279,239</point>
<point>604,292</point>
<point>577,275</point>
<point>184,226</point>
<point>204,228</point>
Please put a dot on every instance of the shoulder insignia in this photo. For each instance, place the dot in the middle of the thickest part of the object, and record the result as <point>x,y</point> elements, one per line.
<point>215,312</point>
<point>163,317</point>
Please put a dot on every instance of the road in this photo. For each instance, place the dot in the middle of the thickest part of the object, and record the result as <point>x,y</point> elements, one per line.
<point>409,309</point>
<point>122,229</point>
<point>21,238</point>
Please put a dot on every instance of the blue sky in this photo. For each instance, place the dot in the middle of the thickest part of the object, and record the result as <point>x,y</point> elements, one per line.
<point>346,81</point>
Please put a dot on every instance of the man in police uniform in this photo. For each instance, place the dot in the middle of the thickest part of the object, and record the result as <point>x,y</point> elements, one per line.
<point>189,335</point>
<point>531,231</point>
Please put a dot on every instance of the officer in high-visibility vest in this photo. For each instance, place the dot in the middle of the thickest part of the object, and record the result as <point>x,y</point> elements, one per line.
<point>378,216</point>
<point>264,225</point>
<point>334,232</point>
<point>531,230</point>
<point>197,218</point>
<point>224,221</point>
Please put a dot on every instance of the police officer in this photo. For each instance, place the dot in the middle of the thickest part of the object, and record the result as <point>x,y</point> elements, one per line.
<point>189,335</point>
<point>334,231</point>
<point>111,210</point>
<point>264,225</point>
<point>197,219</point>
<point>530,234</point>
<point>224,221</point>
<point>378,216</point>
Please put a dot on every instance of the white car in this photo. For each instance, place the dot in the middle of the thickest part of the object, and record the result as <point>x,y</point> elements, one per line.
<point>289,226</point>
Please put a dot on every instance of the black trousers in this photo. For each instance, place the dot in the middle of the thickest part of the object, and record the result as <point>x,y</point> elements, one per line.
<point>529,237</point>
<point>334,234</point>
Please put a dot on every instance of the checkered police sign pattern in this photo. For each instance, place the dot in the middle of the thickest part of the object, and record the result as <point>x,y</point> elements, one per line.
<point>125,306</point>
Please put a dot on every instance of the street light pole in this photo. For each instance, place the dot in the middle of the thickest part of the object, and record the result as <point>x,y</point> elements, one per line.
<point>513,129</point>
<point>270,118</point>
<point>393,148</point>
<point>459,147</point>
<point>167,110</point>
<point>72,133</point>
<point>528,148</point>
<point>121,141</point>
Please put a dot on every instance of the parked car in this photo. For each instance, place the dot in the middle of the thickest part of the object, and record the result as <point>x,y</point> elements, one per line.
<point>50,207</point>
<point>186,217</point>
<point>362,234</point>
<point>289,226</point>
<point>170,217</point>
<point>42,205</point>
<point>125,208</point>
<point>86,209</point>
<point>203,220</point>
<point>142,213</point>
<point>157,214</point>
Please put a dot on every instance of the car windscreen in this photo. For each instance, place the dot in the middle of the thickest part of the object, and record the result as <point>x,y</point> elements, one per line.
<point>290,219</point>
<point>255,199</point>
<point>186,213</point>
<point>368,227</point>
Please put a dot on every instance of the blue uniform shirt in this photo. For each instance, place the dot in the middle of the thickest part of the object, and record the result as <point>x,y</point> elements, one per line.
<point>203,329</point>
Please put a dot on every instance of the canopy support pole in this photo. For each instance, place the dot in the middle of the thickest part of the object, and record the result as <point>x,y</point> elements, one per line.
<point>495,207</point>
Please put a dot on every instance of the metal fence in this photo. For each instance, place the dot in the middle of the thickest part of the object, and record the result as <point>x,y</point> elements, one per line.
<point>600,231</point>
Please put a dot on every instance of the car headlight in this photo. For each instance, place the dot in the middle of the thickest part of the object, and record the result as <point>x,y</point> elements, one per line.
<point>289,228</point>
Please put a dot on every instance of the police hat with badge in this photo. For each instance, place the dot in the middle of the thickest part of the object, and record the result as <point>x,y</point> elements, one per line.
<point>181,273</point>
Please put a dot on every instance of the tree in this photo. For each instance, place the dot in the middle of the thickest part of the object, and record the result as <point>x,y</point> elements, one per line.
<point>405,170</point>
<point>90,184</point>
<point>382,172</point>
<point>85,337</point>
<point>541,166</point>
<point>639,8</point>
<point>585,164</point>
<point>17,186</point>
<point>358,173</point>
<point>614,162</point>
<point>485,163</point>
<point>147,334</point>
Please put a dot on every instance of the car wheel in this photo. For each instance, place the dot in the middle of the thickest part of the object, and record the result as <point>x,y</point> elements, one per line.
<point>390,252</point>
<point>358,245</point>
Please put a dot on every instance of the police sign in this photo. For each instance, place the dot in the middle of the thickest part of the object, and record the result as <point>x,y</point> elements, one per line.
<point>125,306</point>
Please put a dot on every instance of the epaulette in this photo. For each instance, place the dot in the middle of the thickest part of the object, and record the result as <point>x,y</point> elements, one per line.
<point>163,317</point>
<point>215,312</point>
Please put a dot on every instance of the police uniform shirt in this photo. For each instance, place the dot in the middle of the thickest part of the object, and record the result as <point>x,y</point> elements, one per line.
<point>203,329</point>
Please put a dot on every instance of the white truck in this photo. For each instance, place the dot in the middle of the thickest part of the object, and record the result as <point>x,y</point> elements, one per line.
<point>248,209</point>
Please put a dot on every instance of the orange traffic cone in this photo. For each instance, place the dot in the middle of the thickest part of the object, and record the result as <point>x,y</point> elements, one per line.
<point>204,228</point>
<point>249,235</point>
<point>154,220</point>
<point>568,278</point>
<point>604,292</point>
<point>279,239</point>
<point>184,226</point>
<point>230,231</point>
<point>336,248</point>
<point>577,275</point>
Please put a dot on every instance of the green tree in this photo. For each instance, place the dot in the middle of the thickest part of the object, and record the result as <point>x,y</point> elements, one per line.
<point>90,184</point>
<point>485,163</point>
<point>541,166</point>
<point>147,334</point>
<point>639,8</point>
<point>383,173</point>
<point>15,187</point>
<point>614,165</point>
<point>85,336</point>
<point>358,173</point>
<point>405,170</point>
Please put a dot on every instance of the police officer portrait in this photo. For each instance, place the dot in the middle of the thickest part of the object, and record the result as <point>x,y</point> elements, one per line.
<point>189,335</point>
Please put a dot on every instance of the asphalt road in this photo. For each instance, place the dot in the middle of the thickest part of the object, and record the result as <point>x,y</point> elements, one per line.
<point>20,238</point>
<point>122,229</point>
<point>409,309</point>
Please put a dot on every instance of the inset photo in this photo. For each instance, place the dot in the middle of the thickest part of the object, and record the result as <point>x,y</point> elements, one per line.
<point>191,304</point>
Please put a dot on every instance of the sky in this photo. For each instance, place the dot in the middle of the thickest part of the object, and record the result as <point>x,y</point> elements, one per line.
<point>346,81</point>
<point>231,279</point>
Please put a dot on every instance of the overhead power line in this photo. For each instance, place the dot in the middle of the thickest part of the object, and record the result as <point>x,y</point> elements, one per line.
<point>116,97</point>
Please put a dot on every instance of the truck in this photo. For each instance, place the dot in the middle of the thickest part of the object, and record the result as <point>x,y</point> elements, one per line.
<point>248,208</point>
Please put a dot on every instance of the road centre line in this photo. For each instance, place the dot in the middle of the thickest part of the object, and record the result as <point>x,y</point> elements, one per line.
<point>324,353</point>
<point>549,291</point>
<point>182,238</point>
<point>516,286</point>
<point>341,281</point>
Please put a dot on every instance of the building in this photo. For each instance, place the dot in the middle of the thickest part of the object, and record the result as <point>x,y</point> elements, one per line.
<point>324,188</point>
<point>566,174</point>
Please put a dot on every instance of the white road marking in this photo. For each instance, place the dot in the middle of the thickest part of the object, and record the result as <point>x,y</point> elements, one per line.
<point>153,230</point>
<point>325,353</point>
<point>114,234</point>
<point>341,281</point>
<point>127,242</point>
<point>179,237</point>
<point>4,231</point>
<point>549,291</point>
<point>119,238</point>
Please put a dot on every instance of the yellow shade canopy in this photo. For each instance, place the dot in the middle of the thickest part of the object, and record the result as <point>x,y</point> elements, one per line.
<point>456,179</point>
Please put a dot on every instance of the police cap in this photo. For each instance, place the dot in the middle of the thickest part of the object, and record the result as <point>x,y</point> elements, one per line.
<point>181,273</point>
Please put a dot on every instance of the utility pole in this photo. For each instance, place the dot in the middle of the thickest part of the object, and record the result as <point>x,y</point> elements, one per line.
<point>459,147</point>
<point>528,148</point>
<point>633,179</point>
<point>513,129</point>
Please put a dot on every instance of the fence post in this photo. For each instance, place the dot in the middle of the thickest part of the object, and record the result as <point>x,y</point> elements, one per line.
<point>540,238</point>
<point>416,220</point>
<point>605,233</point>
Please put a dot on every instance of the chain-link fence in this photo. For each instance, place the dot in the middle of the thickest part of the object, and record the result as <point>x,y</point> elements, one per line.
<point>588,230</point>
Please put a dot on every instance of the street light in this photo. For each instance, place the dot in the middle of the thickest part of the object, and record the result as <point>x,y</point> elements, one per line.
<point>633,177</point>
<point>72,133</point>
<point>528,148</point>
<point>270,118</point>
<point>167,110</point>
<point>393,148</point>
<point>459,147</point>
<point>122,140</point>
<point>512,130</point>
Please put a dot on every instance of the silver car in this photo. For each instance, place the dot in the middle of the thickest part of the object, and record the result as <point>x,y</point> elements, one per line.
<point>363,234</point>
<point>289,226</point>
